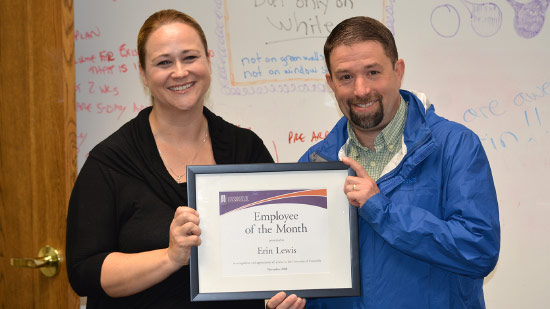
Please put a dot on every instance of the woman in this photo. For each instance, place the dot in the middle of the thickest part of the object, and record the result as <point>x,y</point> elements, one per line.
<point>129,233</point>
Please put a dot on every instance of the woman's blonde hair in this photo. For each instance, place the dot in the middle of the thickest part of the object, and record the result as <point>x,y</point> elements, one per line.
<point>160,19</point>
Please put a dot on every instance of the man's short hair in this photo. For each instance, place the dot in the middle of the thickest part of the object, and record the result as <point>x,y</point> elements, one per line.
<point>360,29</point>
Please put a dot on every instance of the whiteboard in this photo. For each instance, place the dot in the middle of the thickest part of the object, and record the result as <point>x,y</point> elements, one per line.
<point>482,64</point>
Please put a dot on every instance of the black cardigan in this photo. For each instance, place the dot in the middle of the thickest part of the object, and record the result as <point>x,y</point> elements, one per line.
<point>124,201</point>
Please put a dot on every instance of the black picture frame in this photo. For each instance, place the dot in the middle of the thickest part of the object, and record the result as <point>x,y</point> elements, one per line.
<point>196,176</point>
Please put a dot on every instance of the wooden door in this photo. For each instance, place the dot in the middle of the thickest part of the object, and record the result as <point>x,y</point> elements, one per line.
<point>37,146</point>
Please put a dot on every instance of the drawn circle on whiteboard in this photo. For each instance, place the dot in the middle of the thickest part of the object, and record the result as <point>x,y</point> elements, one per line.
<point>486,19</point>
<point>445,20</point>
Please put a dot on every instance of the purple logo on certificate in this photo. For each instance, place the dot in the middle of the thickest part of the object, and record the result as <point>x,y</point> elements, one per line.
<point>238,200</point>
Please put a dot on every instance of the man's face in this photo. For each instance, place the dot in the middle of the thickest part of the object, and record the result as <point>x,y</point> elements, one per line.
<point>366,84</point>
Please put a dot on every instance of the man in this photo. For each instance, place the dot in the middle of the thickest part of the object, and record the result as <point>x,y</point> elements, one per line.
<point>428,214</point>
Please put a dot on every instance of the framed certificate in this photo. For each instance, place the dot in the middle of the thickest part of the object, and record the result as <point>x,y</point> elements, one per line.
<point>268,228</point>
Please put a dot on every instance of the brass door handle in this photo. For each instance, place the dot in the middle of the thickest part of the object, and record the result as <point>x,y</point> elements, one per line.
<point>48,261</point>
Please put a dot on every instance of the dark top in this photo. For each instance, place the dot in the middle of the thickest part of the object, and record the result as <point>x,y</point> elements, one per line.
<point>124,200</point>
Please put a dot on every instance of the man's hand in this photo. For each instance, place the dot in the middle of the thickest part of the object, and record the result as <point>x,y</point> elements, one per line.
<point>359,188</point>
<point>280,301</point>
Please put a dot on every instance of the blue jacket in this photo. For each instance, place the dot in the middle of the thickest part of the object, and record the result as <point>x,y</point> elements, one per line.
<point>432,234</point>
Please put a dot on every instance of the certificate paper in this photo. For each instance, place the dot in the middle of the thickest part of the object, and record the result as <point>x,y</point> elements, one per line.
<point>273,227</point>
<point>281,232</point>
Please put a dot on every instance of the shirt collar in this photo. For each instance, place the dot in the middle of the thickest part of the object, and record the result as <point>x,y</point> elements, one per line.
<point>390,135</point>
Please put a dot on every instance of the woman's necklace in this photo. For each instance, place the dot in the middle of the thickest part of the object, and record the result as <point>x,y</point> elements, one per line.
<point>179,177</point>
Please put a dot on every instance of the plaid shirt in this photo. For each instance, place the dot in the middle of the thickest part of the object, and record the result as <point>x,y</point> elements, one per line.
<point>386,144</point>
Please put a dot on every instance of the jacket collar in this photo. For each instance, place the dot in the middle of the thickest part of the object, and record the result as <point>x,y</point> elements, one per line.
<point>418,141</point>
<point>415,127</point>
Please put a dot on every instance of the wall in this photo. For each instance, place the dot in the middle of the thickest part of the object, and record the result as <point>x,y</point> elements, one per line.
<point>481,64</point>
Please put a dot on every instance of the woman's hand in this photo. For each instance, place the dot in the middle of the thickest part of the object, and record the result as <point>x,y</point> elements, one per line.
<point>125,274</point>
<point>184,234</point>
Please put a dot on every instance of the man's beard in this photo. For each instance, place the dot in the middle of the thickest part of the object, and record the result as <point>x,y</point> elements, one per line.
<point>366,121</point>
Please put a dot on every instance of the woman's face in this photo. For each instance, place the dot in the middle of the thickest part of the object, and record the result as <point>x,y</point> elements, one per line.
<point>177,70</point>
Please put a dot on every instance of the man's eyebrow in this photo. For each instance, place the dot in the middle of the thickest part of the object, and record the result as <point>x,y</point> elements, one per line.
<point>367,67</point>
